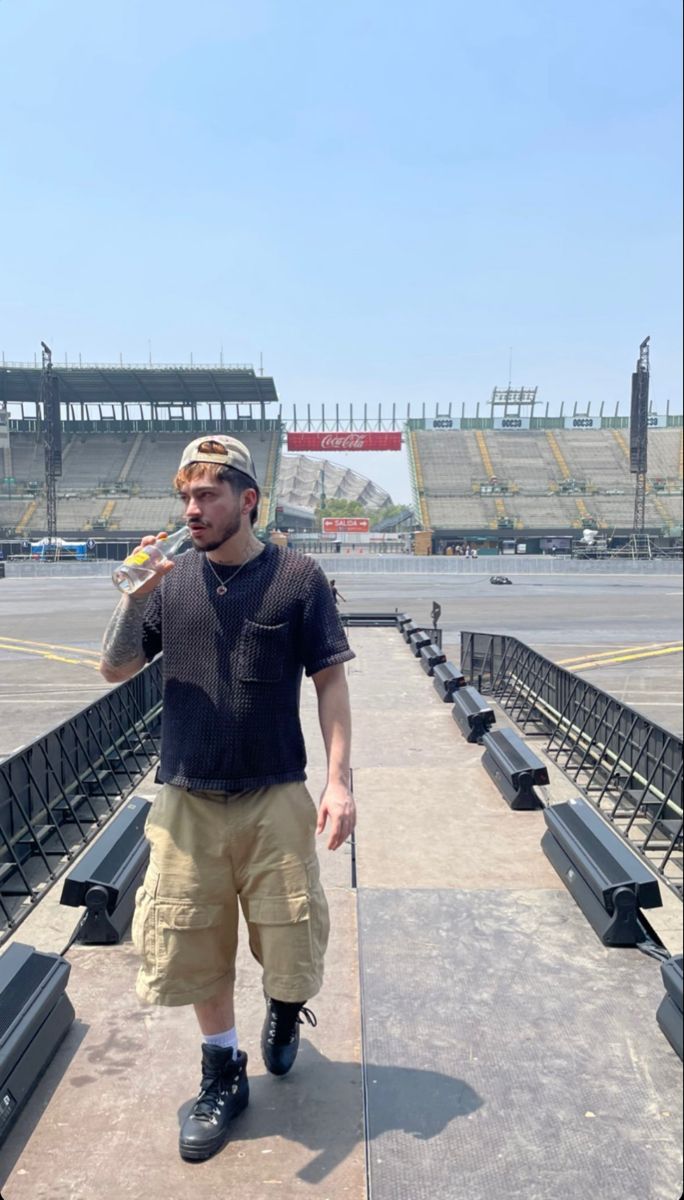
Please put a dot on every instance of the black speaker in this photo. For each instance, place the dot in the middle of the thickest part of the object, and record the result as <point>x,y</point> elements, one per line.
<point>430,657</point>
<point>417,640</point>
<point>446,680</point>
<point>606,879</point>
<point>638,423</point>
<point>106,878</point>
<point>514,768</point>
<point>35,1014</point>
<point>472,714</point>
<point>408,628</point>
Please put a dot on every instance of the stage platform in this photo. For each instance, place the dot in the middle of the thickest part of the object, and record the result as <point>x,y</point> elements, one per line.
<point>475,1039</point>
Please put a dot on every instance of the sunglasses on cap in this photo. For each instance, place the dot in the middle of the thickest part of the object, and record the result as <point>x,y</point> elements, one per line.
<point>211,447</point>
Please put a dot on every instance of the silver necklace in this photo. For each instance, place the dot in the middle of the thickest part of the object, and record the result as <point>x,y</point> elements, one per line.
<point>222,587</point>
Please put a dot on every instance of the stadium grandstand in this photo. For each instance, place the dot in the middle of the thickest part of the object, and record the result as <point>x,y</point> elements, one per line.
<point>549,482</point>
<point>527,481</point>
<point>123,430</point>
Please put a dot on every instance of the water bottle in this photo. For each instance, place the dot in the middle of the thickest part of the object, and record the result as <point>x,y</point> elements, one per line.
<point>135,570</point>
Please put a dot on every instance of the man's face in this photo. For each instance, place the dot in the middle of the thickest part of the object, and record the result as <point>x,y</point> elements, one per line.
<point>212,510</point>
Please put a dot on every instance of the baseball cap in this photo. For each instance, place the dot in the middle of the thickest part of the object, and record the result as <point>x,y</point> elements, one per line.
<point>220,449</point>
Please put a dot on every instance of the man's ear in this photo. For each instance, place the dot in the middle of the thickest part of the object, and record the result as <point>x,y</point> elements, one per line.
<point>250,500</point>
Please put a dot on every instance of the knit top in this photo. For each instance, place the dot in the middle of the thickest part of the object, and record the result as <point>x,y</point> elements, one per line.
<point>233,663</point>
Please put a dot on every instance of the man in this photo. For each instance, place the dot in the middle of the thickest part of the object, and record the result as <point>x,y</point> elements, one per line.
<point>238,623</point>
<point>336,595</point>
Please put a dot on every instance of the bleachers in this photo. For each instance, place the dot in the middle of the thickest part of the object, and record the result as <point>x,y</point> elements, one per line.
<point>450,460</point>
<point>453,467</point>
<point>92,466</point>
<point>156,462</point>
<point>524,458</point>
<point>28,457</point>
<point>454,512</point>
<point>594,455</point>
<point>664,454</point>
<point>93,460</point>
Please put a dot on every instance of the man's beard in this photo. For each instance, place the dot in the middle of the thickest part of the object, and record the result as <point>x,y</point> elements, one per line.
<point>231,527</point>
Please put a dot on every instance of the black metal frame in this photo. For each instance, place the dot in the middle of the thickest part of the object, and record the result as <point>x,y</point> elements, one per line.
<point>57,792</point>
<point>626,765</point>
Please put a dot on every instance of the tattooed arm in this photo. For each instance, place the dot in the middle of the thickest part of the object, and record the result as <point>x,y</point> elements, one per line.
<point>122,645</point>
<point>122,648</point>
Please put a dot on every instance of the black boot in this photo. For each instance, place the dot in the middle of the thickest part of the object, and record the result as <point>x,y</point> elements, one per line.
<point>280,1035</point>
<point>223,1094</point>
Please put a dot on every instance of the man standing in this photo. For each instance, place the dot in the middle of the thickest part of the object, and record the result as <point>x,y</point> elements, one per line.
<point>234,823</point>
<point>336,594</point>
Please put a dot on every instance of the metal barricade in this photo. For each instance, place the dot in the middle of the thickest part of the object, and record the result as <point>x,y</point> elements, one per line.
<point>624,763</point>
<point>58,791</point>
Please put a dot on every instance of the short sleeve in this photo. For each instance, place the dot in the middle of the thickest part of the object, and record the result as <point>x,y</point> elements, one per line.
<point>152,626</point>
<point>323,640</point>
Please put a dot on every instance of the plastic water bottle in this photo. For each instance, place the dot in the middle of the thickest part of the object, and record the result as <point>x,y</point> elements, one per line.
<point>135,570</point>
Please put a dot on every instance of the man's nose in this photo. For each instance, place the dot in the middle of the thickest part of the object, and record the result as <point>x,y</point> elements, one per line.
<point>192,508</point>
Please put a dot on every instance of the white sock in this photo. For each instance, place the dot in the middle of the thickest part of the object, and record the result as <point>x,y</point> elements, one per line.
<point>224,1040</point>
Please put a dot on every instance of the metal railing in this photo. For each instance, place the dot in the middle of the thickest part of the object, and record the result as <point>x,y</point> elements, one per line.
<point>57,792</point>
<point>624,763</point>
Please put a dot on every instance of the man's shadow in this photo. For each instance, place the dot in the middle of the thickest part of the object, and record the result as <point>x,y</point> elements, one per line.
<point>319,1105</point>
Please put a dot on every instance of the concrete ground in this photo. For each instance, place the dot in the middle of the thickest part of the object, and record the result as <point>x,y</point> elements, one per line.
<point>51,629</point>
<point>475,1039</point>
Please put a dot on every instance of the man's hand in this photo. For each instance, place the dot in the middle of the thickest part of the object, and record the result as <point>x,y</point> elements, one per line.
<point>160,570</point>
<point>337,803</point>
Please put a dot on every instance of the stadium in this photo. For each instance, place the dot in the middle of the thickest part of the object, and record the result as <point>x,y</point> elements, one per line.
<point>508,482</point>
<point>510,904</point>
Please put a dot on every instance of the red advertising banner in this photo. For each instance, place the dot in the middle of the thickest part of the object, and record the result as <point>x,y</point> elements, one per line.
<point>343,441</point>
<point>346,525</point>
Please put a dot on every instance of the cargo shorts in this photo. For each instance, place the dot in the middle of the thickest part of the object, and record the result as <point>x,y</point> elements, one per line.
<point>209,853</point>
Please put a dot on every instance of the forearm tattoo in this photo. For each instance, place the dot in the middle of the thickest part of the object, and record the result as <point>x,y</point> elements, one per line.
<point>122,642</point>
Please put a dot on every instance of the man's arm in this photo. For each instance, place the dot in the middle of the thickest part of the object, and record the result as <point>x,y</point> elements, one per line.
<point>122,648</point>
<point>122,645</point>
<point>334,715</point>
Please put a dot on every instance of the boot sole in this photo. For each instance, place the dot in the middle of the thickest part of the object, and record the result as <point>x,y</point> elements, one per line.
<point>202,1153</point>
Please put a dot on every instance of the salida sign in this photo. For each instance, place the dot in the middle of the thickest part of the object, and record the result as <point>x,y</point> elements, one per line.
<point>343,441</point>
<point>346,525</point>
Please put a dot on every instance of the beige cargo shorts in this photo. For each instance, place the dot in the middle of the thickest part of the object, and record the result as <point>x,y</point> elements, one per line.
<point>209,852</point>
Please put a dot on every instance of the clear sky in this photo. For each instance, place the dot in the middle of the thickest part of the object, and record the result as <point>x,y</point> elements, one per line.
<point>380,197</point>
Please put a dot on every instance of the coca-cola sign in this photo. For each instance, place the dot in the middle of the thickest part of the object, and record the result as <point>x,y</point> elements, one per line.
<point>340,441</point>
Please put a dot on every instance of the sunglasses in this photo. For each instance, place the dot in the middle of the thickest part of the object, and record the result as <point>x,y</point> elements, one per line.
<point>210,447</point>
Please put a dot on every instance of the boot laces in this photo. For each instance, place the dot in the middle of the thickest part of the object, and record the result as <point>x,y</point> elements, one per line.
<point>211,1097</point>
<point>284,1019</point>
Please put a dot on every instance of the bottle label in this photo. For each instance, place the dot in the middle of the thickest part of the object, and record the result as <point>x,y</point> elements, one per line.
<point>136,560</point>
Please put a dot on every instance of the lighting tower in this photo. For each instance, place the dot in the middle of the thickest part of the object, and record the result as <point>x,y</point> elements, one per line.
<point>52,438</point>
<point>638,441</point>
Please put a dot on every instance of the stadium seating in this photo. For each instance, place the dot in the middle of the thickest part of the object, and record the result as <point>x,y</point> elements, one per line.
<point>123,482</point>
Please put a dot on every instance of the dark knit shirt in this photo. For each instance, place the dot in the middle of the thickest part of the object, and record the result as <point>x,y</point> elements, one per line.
<point>233,666</point>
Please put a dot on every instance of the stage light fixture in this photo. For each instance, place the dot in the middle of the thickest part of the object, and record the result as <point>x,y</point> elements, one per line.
<point>107,875</point>
<point>605,878</point>
<point>35,1015</point>
<point>514,767</point>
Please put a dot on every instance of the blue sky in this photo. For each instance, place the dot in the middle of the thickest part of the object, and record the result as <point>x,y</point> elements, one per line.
<point>381,198</point>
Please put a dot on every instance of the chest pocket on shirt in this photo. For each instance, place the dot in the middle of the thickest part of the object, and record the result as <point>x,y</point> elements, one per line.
<point>262,650</point>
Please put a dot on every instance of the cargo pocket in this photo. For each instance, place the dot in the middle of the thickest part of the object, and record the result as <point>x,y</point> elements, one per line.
<point>262,648</point>
<point>143,924</point>
<point>189,941</point>
<point>280,939</point>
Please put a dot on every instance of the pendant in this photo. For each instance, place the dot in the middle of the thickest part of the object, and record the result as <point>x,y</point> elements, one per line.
<point>221,590</point>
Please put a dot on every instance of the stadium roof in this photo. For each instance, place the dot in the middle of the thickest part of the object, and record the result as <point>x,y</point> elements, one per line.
<point>148,385</point>
<point>301,480</point>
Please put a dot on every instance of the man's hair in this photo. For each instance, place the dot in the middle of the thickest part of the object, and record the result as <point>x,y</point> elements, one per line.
<point>237,482</point>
